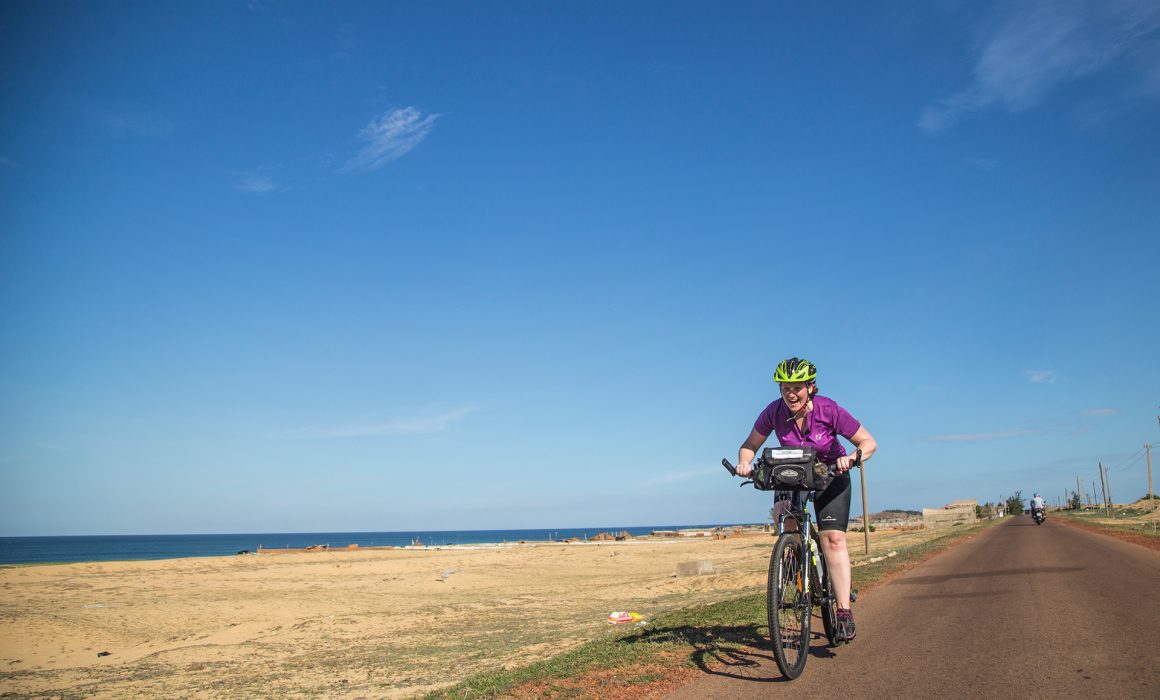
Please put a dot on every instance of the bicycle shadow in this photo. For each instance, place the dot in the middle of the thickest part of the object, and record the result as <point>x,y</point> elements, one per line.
<point>741,652</point>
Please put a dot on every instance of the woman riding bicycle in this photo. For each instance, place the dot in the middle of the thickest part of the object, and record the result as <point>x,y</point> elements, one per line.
<point>801,418</point>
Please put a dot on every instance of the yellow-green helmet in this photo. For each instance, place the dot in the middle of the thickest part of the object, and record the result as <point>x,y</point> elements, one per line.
<point>794,371</point>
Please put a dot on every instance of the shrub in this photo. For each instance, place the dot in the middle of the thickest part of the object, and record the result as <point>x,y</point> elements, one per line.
<point>1015,504</point>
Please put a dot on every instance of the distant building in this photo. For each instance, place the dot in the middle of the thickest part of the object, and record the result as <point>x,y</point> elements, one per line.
<point>954,513</point>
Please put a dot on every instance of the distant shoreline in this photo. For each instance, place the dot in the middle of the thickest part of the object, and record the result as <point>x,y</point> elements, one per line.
<point>66,549</point>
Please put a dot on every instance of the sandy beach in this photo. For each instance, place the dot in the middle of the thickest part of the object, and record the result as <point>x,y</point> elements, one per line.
<point>363,623</point>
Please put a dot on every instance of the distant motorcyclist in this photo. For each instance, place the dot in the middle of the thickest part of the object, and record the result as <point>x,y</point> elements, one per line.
<point>1036,505</point>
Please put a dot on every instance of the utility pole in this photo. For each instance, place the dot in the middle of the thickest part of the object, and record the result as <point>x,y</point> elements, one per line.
<point>1151,496</point>
<point>1111,501</point>
<point>1148,452</point>
<point>1079,492</point>
<point>1093,501</point>
<point>1103,487</point>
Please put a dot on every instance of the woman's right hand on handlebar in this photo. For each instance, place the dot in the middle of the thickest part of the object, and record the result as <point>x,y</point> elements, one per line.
<point>744,469</point>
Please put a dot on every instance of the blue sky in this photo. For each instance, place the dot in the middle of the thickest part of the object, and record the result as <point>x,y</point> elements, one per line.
<point>381,266</point>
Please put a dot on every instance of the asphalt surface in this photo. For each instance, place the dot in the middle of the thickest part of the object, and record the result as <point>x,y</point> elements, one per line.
<point>1019,610</point>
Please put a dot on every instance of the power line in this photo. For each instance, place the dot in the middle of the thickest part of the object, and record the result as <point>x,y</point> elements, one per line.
<point>1135,454</point>
<point>1135,462</point>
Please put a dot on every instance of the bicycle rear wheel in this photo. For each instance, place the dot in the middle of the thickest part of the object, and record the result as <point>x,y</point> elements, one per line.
<point>788,605</point>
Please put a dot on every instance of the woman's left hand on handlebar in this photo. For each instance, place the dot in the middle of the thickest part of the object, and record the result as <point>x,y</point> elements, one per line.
<point>843,464</point>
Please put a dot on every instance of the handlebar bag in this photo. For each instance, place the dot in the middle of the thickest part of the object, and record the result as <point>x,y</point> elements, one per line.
<point>792,469</point>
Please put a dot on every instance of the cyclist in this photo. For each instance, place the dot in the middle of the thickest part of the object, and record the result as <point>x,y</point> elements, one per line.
<point>1036,504</point>
<point>800,418</point>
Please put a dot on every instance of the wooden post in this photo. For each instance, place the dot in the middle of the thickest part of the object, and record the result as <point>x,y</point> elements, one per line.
<point>865,510</point>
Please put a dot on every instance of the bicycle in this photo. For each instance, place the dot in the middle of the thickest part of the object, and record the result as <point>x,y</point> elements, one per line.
<point>798,578</point>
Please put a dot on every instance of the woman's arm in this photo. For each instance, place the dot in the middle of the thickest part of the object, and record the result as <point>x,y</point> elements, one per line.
<point>862,440</point>
<point>748,450</point>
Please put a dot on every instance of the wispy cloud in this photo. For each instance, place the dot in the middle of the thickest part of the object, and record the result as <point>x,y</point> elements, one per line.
<point>421,425</point>
<point>1043,44</point>
<point>986,163</point>
<point>1098,412</point>
<point>256,184</point>
<point>982,437</point>
<point>389,137</point>
<point>1040,376</point>
<point>7,163</point>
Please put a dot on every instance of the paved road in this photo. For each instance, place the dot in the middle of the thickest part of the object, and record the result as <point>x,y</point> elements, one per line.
<point>1017,611</point>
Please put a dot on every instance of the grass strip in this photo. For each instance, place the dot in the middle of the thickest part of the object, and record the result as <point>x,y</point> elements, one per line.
<point>1146,529</point>
<point>693,637</point>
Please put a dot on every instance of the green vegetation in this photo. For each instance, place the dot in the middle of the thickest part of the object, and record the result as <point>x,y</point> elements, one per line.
<point>1015,504</point>
<point>690,638</point>
<point>1074,502</point>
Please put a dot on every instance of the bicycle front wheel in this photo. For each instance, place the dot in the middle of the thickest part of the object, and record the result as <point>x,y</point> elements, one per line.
<point>824,594</point>
<point>788,605</point>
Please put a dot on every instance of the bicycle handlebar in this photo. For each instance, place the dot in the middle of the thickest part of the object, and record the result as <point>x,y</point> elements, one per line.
<point>733,470</point>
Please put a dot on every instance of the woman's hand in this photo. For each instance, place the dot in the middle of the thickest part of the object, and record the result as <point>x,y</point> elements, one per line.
<point>843,464</point>
<point>748,451</point>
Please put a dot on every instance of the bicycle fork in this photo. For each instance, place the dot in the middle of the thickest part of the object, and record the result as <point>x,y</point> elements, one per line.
<point>812,565</point>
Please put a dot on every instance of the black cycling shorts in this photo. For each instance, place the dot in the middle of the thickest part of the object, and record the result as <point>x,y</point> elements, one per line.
<point>832,506</point>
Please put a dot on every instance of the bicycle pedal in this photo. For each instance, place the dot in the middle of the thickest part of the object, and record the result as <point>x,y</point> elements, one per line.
<point>853,596</point>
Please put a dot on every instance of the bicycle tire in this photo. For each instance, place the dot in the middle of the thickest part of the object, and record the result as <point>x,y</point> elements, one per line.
<point>828,601</point>
<point>788,605</point>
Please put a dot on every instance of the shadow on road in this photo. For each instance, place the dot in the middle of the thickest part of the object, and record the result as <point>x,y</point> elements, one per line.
<point>922,580</point>
<point>732,651</point>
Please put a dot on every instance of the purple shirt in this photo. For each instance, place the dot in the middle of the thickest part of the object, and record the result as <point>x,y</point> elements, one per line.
<point>821,429</point>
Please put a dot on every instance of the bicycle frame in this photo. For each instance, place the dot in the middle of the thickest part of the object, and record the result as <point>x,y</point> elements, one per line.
<point>798,509</point>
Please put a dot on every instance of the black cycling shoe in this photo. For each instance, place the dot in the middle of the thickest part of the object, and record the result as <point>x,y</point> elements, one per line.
<point>846,629</point>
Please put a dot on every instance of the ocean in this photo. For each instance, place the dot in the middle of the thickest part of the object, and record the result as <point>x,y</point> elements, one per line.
<point>81,548</point>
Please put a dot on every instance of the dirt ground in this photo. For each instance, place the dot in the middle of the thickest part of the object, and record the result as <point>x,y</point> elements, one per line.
<point>363,623</point>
